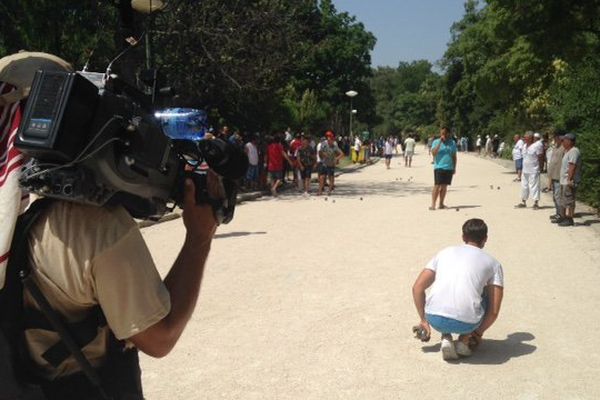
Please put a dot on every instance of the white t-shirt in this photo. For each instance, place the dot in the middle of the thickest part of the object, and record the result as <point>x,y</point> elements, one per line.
<point>461,274</point>
<point>409,145</point>
<point>478,143</point>
<point>357,144</point>
<point>252,152</point>
<point>389,148</point>
<point>531,153</point>
<point>517,151</point>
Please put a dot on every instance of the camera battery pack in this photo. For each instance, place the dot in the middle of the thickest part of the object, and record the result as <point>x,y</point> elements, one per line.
<point>60,108</point>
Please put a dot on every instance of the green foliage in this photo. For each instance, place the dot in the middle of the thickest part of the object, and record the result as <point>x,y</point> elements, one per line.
<point>235,58</point>
<point>406,97</point>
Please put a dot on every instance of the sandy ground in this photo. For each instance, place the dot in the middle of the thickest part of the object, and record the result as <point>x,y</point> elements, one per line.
<point>311,298</point>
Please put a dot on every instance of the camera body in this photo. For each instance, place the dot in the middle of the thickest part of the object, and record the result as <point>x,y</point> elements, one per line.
<point>94,139</point>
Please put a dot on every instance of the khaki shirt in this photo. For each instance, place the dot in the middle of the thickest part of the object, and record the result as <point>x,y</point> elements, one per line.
<point>554,163</point>
<point>82,256</point>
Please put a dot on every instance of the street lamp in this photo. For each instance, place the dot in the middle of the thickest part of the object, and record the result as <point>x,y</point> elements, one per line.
<point>351,94</point>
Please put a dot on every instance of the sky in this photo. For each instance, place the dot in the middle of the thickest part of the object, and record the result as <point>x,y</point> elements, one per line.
<point>406,30</point>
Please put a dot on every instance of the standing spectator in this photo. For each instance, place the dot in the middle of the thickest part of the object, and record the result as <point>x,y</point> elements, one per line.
<point>429,142</point>
<point>330,155</point>
<point>517,155</point>
<point>478,144</point>
<point>274,162</point>
<point>357,146</point>
<point>570,176</point>
<point>388,151</point>
<point>307,160</point>
<point>409,150</point>
<point>295,144</point>
<point>501,148</point>
<point>554,166</point>
<point>444,153</point>
<point>466,292</point>
<point>489,147</point>
<point>495,146</point>
<point>252,172</point>
<point>533,157</point>
<point>465,144</point>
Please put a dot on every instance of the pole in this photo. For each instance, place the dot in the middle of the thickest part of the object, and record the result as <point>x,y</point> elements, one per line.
<point>351,108</point>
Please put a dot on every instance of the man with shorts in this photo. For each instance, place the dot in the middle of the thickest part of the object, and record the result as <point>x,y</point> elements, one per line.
<point>329,154</point>
<point>307,159</point>
<point>517,155</point>
<point>570,176</point>
<point>444,168</point>
<point>388,151</point>
<point>409,150</point>
<point>274,163</point>
<point>466,292</point>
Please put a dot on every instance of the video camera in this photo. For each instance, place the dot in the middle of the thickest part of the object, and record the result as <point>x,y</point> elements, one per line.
<point>94,139</point>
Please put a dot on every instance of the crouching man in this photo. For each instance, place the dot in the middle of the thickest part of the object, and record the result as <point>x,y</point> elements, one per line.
<point>466,292</point>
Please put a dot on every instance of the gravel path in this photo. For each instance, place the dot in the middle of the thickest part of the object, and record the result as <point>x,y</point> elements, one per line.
<point>311,298</point>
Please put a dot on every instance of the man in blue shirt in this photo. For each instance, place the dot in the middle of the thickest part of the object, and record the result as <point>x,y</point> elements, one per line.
<point>444,153</point>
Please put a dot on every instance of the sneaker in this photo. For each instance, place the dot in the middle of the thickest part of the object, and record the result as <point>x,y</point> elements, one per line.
<point>556,220</point>
<point>566,222</point>
<point>462,349</point>
<point>536,206</point>
<point>448,350</point>
<point>521,205</point>
<point>555,216</point>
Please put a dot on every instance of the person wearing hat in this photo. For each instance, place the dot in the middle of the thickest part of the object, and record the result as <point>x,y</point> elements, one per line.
<point>533,158</point>
<point>570,176</point>
<point>330,155</point>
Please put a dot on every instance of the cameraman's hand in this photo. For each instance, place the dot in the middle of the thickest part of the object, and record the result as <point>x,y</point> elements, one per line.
<point>199,219</point>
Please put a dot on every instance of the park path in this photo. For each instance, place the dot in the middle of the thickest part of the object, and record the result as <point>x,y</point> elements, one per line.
<point>311,298</point>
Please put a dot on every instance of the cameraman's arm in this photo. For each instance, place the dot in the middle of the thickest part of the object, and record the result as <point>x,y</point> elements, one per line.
<point>183,280</point>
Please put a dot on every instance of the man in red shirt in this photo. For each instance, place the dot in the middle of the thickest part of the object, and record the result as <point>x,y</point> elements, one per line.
<point>295,144</point>
<point>274,162</point>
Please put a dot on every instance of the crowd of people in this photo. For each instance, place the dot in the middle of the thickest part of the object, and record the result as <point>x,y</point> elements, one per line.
<point>561,160</point>
<point>292,157</point>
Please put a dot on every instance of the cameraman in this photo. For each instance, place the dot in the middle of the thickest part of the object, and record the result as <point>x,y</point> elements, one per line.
<point>85,259</point>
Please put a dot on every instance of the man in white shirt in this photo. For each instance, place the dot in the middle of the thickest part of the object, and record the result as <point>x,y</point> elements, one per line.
<point>517,155</point>
<point>252,171</point>
<point>466,292</point>
<point>533,158</point>
<point>388,151</point>
<point>409,150</point>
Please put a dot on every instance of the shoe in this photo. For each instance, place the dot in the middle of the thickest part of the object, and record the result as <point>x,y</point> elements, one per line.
<point>554,216</point>
<point>448,350</point>
<point>521,205</point>
<point>556,220</point>
<point>566,222</point>
<point>462,349</point>
<point>536,206</point>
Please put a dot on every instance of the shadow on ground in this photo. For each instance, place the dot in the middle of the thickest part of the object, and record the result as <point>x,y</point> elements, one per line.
<point>237,234</point>
<point>493,352</point>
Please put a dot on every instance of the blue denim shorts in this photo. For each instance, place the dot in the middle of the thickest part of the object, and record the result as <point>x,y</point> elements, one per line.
<point>519,164</point>
<point>448,325</point>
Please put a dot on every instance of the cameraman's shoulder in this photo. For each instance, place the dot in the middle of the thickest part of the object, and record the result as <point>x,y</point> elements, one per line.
<point>71,219</point>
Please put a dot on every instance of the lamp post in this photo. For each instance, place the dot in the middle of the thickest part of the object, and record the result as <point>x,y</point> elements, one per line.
<point>351,94</point>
